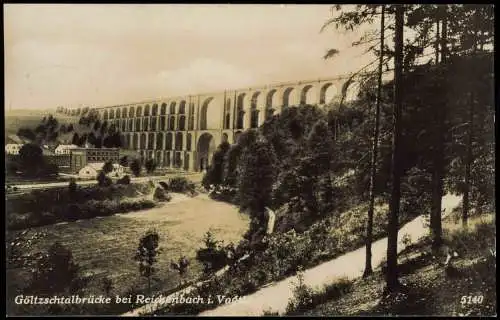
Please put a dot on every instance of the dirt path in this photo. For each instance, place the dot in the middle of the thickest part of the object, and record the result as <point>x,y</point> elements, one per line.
<point>350,265</point>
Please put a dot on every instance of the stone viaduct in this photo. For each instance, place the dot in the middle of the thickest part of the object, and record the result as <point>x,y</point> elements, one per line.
<point>184,131</point>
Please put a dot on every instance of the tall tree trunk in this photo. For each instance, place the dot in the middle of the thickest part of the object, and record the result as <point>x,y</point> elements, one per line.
<point>468,162</point>
<point>469,157</point>
<point>369,227</point>
<point>437,41</point>
<point>438,161</point>
<point>392,227</point>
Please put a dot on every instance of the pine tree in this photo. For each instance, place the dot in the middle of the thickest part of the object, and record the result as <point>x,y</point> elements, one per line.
<point>394,205</point>
<point>257,172</point>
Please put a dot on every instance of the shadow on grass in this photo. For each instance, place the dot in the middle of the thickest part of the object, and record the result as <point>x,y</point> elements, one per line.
<point>409,300</point>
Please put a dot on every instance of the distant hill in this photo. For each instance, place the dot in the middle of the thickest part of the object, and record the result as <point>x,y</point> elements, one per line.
<point>31,119</point>
<point>25,118</point>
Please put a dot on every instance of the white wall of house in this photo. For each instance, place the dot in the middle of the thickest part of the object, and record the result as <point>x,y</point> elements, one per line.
<point>12,148</point>
<point>65,148</point>
<point>93,169</point>
<point>87,172</point>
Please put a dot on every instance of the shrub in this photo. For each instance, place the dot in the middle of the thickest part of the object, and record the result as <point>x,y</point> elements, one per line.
<point>150,165</point>
<point>182,184</point>
<point>124,180</point>
<point>124,161</point>
<point>108,167</point>
<point>305,298</point>
<point>75,211</point>
<point>270,313</point>
<point>163,185</point>
<point>161,195</point>
<point>56,272</point>
<point>135,167</point>
<point>302,299</point>
<point>213,256</point>
<point>103,180</point>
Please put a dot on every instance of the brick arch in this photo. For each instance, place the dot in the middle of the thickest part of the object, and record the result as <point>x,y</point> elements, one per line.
<point>327,91</point>
<point>136,145</point>
<point>143,138</point>
<point>255,108</point>
<point>240,111</point>
<point>159,141</point>
<point>172,107</point>
<point>205,146</point>
<point>179,141</point>
<point>169,141</point>
<point>181,123</point>
<point>188,141</point>
<point>171,123</point>
<point>227,114</point>
<point>151,141</point>
<point>203,124</point>
<point>288,97</point>
<point>307,94</point>
<point>182,107</point>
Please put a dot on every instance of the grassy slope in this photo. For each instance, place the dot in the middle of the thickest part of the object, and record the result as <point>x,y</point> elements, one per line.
<point>432,291</point>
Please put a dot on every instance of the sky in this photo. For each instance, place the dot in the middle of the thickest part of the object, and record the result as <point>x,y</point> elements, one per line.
<point>80,55</point>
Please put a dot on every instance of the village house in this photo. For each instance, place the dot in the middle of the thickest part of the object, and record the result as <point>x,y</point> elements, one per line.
<point>91,170</point>
<point>65,148</point>
<point>12,148</point>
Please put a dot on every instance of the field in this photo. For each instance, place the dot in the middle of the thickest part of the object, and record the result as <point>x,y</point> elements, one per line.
<point>105,246</point>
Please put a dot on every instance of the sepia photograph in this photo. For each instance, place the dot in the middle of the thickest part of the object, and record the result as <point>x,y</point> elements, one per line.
<point>250,160</point>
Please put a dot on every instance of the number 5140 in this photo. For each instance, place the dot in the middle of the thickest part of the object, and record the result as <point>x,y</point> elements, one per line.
<point>471,299</point>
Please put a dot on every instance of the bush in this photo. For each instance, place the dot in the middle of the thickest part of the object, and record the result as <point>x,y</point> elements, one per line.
<point>302,297</point>
<point>56,272</point>
<point>124,180</point>
<point>76,211</point>
<point>270,313</point>
<point>161,195</point>
<point>182,184</point>
<point>305,298</point>
<point>150,165</point>
<point>108,167</point>
<point>103,180</point>
<point>124,161</point>
<point>163,185</point>
<point>214,255</point>
<point>135,167</point>
<point>226,194</point>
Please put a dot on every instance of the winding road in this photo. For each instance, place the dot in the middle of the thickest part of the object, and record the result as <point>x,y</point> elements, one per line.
<point>275,297</point>
<point>350,265</point>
